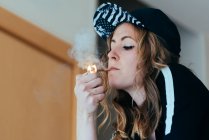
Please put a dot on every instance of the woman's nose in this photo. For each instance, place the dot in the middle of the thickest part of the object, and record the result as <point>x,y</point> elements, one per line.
<point>113,54</point>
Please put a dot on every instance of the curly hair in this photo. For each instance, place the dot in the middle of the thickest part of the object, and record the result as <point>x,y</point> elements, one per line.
<point>130,118</point>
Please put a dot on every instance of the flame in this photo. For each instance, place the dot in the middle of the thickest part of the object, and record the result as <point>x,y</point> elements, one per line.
<point>91,69</point>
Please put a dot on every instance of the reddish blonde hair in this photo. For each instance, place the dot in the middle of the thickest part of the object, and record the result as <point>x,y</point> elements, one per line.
<point>144,119</point>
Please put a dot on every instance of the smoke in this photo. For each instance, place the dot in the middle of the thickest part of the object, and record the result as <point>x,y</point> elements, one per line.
<point>84,50</point>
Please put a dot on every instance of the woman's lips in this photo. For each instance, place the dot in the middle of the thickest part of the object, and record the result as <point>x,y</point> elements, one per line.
<point>112,69</point>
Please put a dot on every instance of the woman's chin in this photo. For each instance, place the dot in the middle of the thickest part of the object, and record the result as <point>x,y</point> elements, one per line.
<point>115,85</point>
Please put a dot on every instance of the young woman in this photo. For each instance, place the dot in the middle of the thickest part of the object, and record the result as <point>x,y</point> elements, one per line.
<point>155,98</point>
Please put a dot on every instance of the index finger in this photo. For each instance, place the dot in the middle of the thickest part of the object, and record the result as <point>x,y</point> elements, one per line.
<point>86,77</point>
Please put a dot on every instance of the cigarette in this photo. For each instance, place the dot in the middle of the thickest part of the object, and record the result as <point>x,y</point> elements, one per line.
<point>98,70</point>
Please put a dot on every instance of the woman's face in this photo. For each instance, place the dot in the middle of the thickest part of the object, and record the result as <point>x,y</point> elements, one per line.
<point>123,57</point>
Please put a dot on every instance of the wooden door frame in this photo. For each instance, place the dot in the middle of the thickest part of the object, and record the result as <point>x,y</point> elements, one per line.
<point>45,42</point>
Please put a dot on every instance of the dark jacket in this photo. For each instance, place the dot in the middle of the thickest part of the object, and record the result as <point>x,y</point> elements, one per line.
<point>190,120</point>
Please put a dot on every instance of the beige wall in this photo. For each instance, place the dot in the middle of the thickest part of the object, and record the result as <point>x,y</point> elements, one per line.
<point>35,93</point>
<point>36,85</point>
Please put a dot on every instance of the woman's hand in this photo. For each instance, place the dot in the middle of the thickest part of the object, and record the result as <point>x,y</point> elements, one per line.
<point>89,92</point>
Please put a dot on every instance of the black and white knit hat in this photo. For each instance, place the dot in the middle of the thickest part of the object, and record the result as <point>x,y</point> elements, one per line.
<point>108,16</point>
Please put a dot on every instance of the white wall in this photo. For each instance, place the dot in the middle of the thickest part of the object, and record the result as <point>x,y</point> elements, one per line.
<point>190,13</point>
<point>63,18</point>
<point>206,38</point>
<point>193,52</point>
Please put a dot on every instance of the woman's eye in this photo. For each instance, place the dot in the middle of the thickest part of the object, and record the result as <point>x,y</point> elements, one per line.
<point>128,47</point>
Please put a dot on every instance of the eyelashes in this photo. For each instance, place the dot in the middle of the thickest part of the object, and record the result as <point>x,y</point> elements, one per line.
<point>128,47</point>
<point>124,47</point>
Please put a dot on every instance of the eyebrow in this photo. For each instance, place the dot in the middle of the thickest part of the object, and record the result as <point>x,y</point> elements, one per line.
<point>124,37</point>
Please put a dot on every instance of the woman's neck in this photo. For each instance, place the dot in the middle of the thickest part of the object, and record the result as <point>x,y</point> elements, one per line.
<point>138,95</point>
